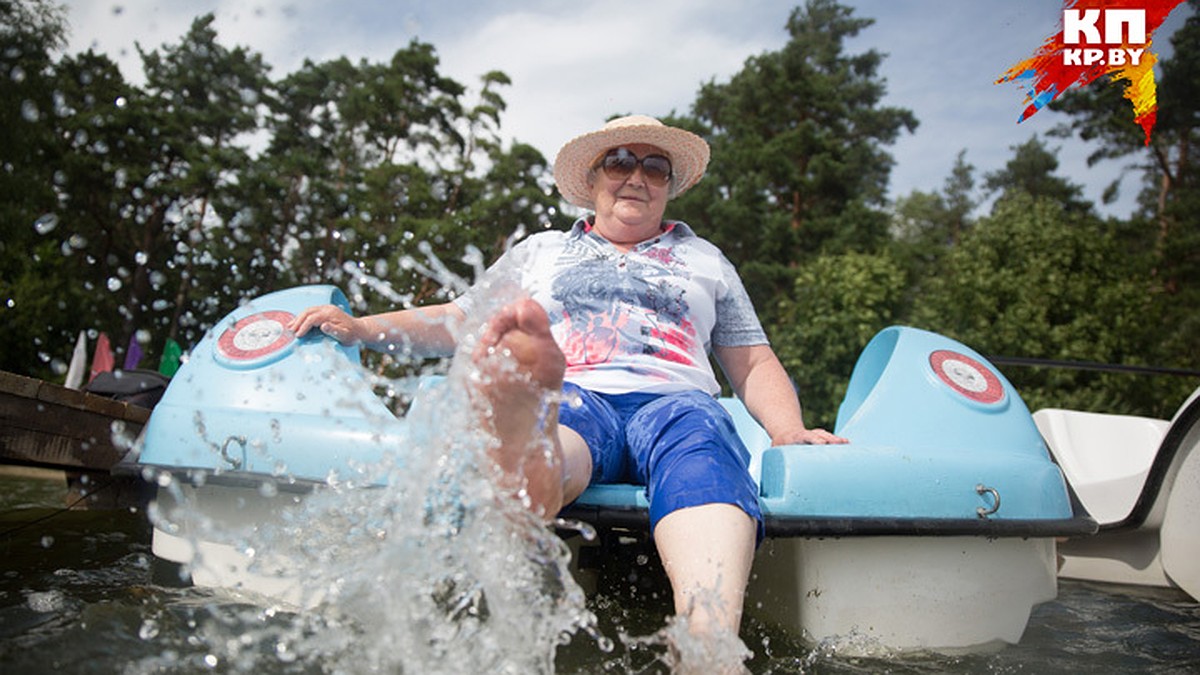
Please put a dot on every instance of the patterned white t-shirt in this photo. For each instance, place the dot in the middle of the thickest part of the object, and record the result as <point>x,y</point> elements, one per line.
<point>639,321</point>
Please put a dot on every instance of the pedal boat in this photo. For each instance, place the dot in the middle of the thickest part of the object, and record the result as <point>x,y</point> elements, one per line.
<point>1140,479</point>
<point>934,529</point>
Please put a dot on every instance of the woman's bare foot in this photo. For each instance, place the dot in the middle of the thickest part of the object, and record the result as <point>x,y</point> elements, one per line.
<point>522,373</point>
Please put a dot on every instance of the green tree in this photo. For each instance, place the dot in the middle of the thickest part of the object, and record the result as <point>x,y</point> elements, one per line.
<point>838,303</point>
<point>37,300</point>
<point>1035,279</point>
<point>381,170</point>
<point>927,225</point>
<point>1031,172</point>
<point>1166,225</point>
<point>204,98</point>
<point>799,166</point>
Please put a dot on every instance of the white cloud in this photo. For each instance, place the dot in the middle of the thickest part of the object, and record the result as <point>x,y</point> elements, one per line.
<point>571,70</point>
<point>572,65</point>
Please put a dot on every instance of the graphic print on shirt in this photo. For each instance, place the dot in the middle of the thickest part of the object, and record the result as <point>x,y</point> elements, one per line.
<point>623,309</point>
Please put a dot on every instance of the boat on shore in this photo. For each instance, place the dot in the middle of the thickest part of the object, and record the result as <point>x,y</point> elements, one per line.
<point>934,529</point>
<point>1139,478</point>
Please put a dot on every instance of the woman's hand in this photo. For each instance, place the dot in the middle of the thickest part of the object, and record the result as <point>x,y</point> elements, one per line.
<point>809,437</point>
<point>331,321</point>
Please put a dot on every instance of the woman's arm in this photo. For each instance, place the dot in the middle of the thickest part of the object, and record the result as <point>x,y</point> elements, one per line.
<point>421,331</point>
<point>758,378</point>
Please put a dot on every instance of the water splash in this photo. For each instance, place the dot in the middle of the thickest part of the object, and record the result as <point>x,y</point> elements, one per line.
<point>46,223</point>
<point>420,563</point>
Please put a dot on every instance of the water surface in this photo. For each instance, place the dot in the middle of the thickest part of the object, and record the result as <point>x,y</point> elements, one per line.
<point>80,593</point>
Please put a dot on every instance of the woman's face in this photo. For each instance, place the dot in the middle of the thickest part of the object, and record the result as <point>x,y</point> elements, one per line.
<point>630,209</point>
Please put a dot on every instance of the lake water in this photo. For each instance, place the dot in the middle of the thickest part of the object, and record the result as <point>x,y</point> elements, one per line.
<point>80,593</point>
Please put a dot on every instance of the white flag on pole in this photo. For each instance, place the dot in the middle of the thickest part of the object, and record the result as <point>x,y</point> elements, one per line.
<point>78,365</point>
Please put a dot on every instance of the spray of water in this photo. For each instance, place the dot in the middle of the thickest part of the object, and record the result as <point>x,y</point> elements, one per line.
<point>422,563</point>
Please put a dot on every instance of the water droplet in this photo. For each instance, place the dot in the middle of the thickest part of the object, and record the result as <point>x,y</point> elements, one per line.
<point>47,541</point>
<point>46,223</point>
<point>17,74</point>
<point>48,601</point>
<point>141,258</point>
<point>29,111</point>
<point>120,102</point>
<point>114,284</point>
<point>149,629</point>
<point>283,652</point>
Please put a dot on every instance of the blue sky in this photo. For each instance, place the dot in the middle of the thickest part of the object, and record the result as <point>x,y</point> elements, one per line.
<point>574,64</point>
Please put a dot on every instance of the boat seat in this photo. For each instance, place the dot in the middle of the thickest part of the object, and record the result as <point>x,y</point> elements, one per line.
<point>1105,457</point>
<point>752,434</point>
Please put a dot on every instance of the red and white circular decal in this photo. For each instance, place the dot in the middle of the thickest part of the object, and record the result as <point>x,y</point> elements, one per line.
<point>967,376</point>
<point>256,336</point>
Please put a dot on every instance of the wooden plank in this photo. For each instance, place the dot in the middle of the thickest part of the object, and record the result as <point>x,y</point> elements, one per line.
<point>44,424</point>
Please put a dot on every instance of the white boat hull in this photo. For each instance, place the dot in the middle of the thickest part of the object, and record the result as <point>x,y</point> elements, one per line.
<point>861,595</point>
<point>872,594</point>
<point>1180,532</point>
<point>211,529</point>
<point>1140,479</point>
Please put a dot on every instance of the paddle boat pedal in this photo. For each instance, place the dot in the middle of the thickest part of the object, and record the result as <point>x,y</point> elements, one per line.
<point>933,529</point>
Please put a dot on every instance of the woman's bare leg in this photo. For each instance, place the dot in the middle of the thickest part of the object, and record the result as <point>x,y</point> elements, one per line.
<point>707,552</point>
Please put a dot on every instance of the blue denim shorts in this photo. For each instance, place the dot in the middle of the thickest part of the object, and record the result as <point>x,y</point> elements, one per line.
<point>683,447</point>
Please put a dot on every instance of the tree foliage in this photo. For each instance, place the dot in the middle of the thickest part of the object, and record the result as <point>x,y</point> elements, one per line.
<point>1168,226</point>
<point>838,303</point>
<point>33,290</point>
<point>798,141</point>
<point>148,211</point>
<point>149,215</point>
<point>1030,173</point>
<point>1034,278</point>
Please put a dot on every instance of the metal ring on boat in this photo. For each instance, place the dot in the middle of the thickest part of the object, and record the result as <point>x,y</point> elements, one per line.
<point>984,512</point>
<point>235,462</point>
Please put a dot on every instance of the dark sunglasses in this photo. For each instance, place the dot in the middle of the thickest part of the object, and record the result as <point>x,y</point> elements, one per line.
<point>619,164</point>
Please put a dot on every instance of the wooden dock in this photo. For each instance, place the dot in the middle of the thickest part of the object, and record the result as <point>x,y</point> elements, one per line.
<point>48,426</point>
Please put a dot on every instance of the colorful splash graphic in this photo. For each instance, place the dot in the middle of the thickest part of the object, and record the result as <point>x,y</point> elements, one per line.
<point>1097,38</point>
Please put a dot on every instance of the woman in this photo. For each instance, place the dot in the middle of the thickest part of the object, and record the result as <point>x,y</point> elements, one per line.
<point>623,311</point>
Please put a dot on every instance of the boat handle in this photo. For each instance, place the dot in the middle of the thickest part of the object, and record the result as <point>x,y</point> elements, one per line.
<point>234,462</point>
<point>981,490</point>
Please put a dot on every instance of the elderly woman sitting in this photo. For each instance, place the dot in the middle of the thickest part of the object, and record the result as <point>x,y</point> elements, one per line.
<point>622,313</point>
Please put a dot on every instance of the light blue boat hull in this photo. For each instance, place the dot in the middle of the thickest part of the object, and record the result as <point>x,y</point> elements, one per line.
<point>941,443</point>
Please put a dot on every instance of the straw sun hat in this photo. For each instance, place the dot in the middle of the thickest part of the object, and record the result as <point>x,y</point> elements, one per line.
<point>687,151</point>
